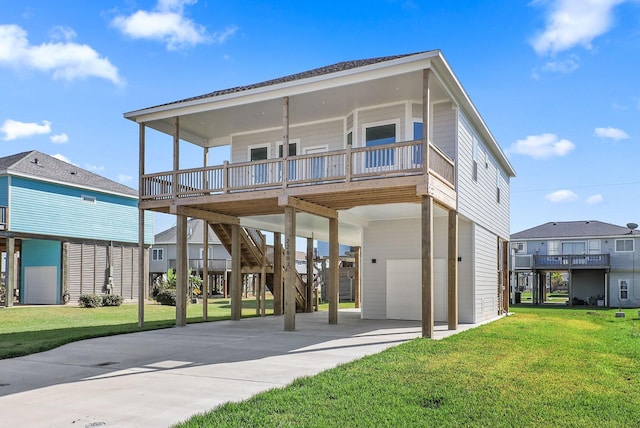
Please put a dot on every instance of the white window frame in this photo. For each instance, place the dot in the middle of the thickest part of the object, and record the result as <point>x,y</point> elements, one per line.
<point>157,254</point>
<point>521,246</point>
<point>623,287</point>
<point>475,154</point>
<point>633,245</point>
<point>553,248</point>
<point>267,178</point>
<point>594,246</point>
<point>366,126</point>
<point>573,242</point>
<point>295,141</point>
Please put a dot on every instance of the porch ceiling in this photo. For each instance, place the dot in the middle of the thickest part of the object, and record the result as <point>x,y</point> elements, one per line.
<point>211,128</point>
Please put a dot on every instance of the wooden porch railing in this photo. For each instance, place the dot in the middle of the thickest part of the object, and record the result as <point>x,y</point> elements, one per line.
<point>340,166</point>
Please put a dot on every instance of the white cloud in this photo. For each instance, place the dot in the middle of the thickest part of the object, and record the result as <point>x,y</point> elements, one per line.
<point>122,178</point>
<point>65,60</point>
<point>562,196</point>
<point>571,23</point>
<point>94,168</point>
<point>567,66</point>
<point>542,146</point>
<point>14,130</point>
<point>62,158</point>
<point>595,199</point>
<point>612,133</point>
<point>59,138</point>
<point>168,23</point>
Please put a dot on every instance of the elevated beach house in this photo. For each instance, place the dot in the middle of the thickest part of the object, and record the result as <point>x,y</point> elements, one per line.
<point>65,231</point>
<point>388,155</point>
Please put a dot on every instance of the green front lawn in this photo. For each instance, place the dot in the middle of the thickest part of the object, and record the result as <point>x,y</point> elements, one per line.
<point>25,330</point>
<point>540,367</point>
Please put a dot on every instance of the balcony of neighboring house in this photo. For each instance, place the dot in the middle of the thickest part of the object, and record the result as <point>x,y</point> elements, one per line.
<point>197,265</point>
<point>3,218</point>
<point>337,179</point>
<point>562,262</point>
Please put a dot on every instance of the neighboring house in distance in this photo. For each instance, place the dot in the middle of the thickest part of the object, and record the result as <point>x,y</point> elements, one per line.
<point>387,154</point>
<point>601,260</point>
<point>65,229</point>
<point>163,254</point>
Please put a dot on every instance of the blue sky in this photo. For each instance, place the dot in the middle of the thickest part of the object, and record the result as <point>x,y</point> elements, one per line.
<point>555,80</point>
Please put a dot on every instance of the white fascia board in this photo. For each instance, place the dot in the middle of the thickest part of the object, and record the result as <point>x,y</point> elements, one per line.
<point>62,183</point>
<point>296,87</point>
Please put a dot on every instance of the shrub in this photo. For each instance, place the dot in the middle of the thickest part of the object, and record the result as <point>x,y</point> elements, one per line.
<point>90,300</point>
<point>112,300</point>
<point>166,297</point>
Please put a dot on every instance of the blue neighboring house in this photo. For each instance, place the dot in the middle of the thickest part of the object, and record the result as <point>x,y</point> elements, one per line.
<point>65,231</point>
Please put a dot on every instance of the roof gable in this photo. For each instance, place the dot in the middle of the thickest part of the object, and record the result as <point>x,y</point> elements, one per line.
<point>39,166</point>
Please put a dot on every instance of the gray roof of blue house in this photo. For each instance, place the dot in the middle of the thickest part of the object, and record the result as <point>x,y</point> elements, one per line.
<point>39,166</point>
<point>573,229</point>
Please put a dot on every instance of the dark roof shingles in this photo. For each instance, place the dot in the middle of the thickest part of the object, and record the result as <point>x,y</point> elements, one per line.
<point>572,229</point>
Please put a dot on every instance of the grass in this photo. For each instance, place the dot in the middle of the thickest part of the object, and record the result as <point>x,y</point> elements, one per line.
<point>26,330</point>
<point>540,367</point>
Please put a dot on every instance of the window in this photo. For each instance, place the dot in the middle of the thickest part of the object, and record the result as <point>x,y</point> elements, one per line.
<point>474,172</point>
<point>624,289</point>
<point>498,177</point>
<point>417,135</point>
<point>350,138</point>
<point>260,172</point>
<point>378,136</point>
<point>157,254</point>
<point>573,248</point>
<point>624,245</point>
<point>553,248</point>
<point>520,247</point>
<point>594,246</point>
<point>88,199</point>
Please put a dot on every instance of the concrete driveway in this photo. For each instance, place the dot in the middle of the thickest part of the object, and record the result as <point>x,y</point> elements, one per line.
<point>158,378</point>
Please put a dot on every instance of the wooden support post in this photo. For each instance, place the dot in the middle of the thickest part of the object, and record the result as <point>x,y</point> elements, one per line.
<point>176,156</point>
<point>334,271</point>
<point>204,289</point>
<point>308,301</point>
<point>452,277</point>
<point>182,271</point>
<point>427,267</point>
<point>236,274</point>
<point>277,273</point>
<point>10,283</point>
<point>263,279</point>
<point>290,269</point>
<point>256,292</point>
<point>141,193</point>
<point>356,278</point>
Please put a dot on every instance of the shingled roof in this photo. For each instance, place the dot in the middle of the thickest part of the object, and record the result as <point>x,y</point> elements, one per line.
<point>329,69</point>
<point>572,229</point>
<point>39,166</point>
<point>194,236</point>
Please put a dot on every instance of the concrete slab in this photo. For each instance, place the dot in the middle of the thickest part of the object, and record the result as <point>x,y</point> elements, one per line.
<point>158,378</point>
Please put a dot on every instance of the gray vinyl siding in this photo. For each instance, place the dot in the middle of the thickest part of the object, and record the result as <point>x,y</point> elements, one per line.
<point>330,134</point>
<point>387,240</point>
<point>444,128</point>
<point>477,199</point>
<point>486,274</point>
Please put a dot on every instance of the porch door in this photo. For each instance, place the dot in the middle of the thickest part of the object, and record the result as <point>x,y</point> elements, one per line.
<point>377,136</point>
<point>293,151</point>
<point>259,173</point>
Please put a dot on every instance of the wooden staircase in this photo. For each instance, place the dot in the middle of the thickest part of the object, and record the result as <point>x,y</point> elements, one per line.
<point>252,243</point>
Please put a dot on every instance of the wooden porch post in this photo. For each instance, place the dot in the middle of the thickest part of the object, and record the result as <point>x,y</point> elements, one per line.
<point>277,273</point>
<point>142,275</point>
<point>176,156</point>
<point>236,274</point>
<point>263,279</point>
<point>182,274</point>
<point>427,267</point>
<point>290,268</point>
<point>309,295</point>
<point>10,284</point>
<point>285,141</point>
<point>356,278</point>
<point>452,303</point>
<point>334,271</point>
<point>426,101</point>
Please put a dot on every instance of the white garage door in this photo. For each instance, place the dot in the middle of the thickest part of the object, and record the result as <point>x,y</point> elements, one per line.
<point>404,289</point>
<point>40,285</point>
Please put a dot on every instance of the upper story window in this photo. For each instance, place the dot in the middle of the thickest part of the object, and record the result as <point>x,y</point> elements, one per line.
<point>377,136</point>
<point>553,248</point>
<point>88,199</point>
<point>520,247</point>
<point>157,254</point>
<point>624,245</point>
<point>594,246</point>
<point>574,248</point>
